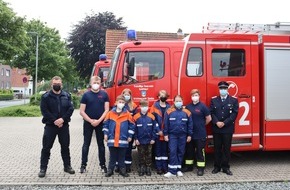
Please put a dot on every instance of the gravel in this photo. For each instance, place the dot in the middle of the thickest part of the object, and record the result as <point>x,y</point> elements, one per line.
<point>216,186</point>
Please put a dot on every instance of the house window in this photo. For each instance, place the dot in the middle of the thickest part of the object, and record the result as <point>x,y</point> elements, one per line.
<point>2,71</point>
<point>7,73</point>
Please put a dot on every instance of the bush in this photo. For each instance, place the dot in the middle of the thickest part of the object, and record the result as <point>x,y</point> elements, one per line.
<point>6,97</point>
<point>20,111</point>
<point>75,99</point>
<point>6,94</point>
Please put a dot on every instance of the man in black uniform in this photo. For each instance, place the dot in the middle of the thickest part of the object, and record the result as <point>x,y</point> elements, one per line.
<point>224,111</point>
<point>56,108</point>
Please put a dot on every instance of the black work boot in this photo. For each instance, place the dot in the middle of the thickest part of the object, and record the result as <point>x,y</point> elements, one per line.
<point>109,173</point>
<point>123,172</point>
<point>69,170</point>
<point>141,171</point>
<point>148,171</point>
<point>104,168</point>
<point>42,173</point>
<point>83,169</point>
<point>200,171</point>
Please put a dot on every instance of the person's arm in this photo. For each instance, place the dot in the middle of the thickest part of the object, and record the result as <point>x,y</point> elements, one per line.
<point>47,115</point>
<point>84,115</point>
<point>207,119</point>
<point>106,107</point>
<point>67,115</point>
<point>212,111</point>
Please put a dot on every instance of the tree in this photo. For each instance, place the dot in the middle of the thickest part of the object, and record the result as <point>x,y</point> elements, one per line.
<point>53,54</point>
<point>88,39</point>
<point>12,32</point>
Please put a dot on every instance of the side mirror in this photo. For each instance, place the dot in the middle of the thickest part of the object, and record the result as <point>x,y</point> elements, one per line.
<point>131,66</point>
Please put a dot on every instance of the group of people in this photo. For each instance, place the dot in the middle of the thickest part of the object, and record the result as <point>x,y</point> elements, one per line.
<point>171,136</point>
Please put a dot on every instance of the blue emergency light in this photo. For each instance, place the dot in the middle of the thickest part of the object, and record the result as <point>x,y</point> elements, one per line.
<point>131,35</point>
<point>103,57</point>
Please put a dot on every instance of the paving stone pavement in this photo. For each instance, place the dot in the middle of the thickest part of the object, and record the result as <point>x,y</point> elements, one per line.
<point>20,146</point>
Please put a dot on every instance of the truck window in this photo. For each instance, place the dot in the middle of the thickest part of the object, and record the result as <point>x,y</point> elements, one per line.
<point>112,70</point>
<point>194,62</point>
<point>229,62</point>
<point>148,66</point>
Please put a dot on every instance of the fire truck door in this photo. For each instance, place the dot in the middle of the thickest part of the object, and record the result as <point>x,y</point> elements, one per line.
<point>230,61</point>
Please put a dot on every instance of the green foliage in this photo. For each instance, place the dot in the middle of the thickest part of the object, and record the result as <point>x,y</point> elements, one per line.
<point>20,111</point>
<point>34,102</point>
<point>12,34</point>
<point>6,94</point>
<point>53,54</point>
<point>76,101</point>
<point>88,39</point>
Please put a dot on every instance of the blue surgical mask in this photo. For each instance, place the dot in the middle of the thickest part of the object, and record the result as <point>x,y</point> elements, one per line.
<point>223,92</point>
<point>127,97</point>
<point>178,104</point>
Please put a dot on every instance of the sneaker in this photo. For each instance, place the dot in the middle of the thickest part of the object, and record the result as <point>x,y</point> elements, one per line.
<point>69,170</point>
<point>42,173</point>
<point>179,174</point>
<point>83,169</point>
<point>168,174</point>
<point>104,169</point>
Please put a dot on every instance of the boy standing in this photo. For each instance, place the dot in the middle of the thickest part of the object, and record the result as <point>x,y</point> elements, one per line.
<point>145,136</point>
<point>118,131</point>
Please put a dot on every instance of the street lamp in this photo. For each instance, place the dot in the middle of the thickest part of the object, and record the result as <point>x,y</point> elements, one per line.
<point>36,62</point>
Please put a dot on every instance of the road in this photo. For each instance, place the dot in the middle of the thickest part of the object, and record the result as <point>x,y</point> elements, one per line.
<point>14,102</point>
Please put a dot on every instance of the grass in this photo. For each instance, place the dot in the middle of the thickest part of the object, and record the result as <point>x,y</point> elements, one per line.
<point>20,111</point>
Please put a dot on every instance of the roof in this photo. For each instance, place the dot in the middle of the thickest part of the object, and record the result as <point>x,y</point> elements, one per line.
<point>115,37</point>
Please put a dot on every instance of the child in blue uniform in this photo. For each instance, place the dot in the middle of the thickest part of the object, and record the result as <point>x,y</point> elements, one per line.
<point>145,135</point>
<point>118,132</point>
<point>177,131</point>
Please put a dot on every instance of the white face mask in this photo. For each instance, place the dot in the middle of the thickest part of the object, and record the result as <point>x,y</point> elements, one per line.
<point>195,98</point>
<point>120,105</point>
<point>127,97</point>
<point>144,109</point>
<point>95,86</point>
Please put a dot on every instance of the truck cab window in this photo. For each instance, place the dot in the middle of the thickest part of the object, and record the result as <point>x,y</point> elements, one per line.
<point>229,62</point>
<point>147,66</point>
<point>194,65</point>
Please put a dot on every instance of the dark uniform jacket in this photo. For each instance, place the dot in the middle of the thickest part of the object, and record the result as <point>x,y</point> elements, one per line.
<point>54,106</point>
<point>225,111</point>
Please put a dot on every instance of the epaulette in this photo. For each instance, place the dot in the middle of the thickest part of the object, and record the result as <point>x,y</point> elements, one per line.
<point>213,97</point>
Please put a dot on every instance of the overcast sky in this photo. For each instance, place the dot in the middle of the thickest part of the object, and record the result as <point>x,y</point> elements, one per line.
<point>154,15</point>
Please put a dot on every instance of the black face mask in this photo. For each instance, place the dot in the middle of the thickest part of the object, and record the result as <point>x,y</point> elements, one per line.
<point>163,99</point>
<point>56,87</point>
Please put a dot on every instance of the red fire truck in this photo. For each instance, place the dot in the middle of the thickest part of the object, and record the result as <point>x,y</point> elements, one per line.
<point>253,59</point>
<point>101,67</point>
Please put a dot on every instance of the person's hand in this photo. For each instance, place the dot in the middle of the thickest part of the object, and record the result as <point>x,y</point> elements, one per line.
<point>129,139</point>
<point>152,141</point>
<point>137,142</point>
<point>59,122</point>
<point>106,138</point>
<point>95,122</point>
<point>160,133</point>
<point>188,139</point>
<point>166,138</point>
<point>220,124</point>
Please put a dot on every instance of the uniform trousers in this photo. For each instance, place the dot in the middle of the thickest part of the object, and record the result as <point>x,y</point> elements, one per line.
<point>222,150</point>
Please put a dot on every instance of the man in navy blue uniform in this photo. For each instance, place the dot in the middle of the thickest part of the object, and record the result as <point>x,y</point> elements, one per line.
<point>56,108</point>
<point>224,111</point>
<point>94,107</point>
